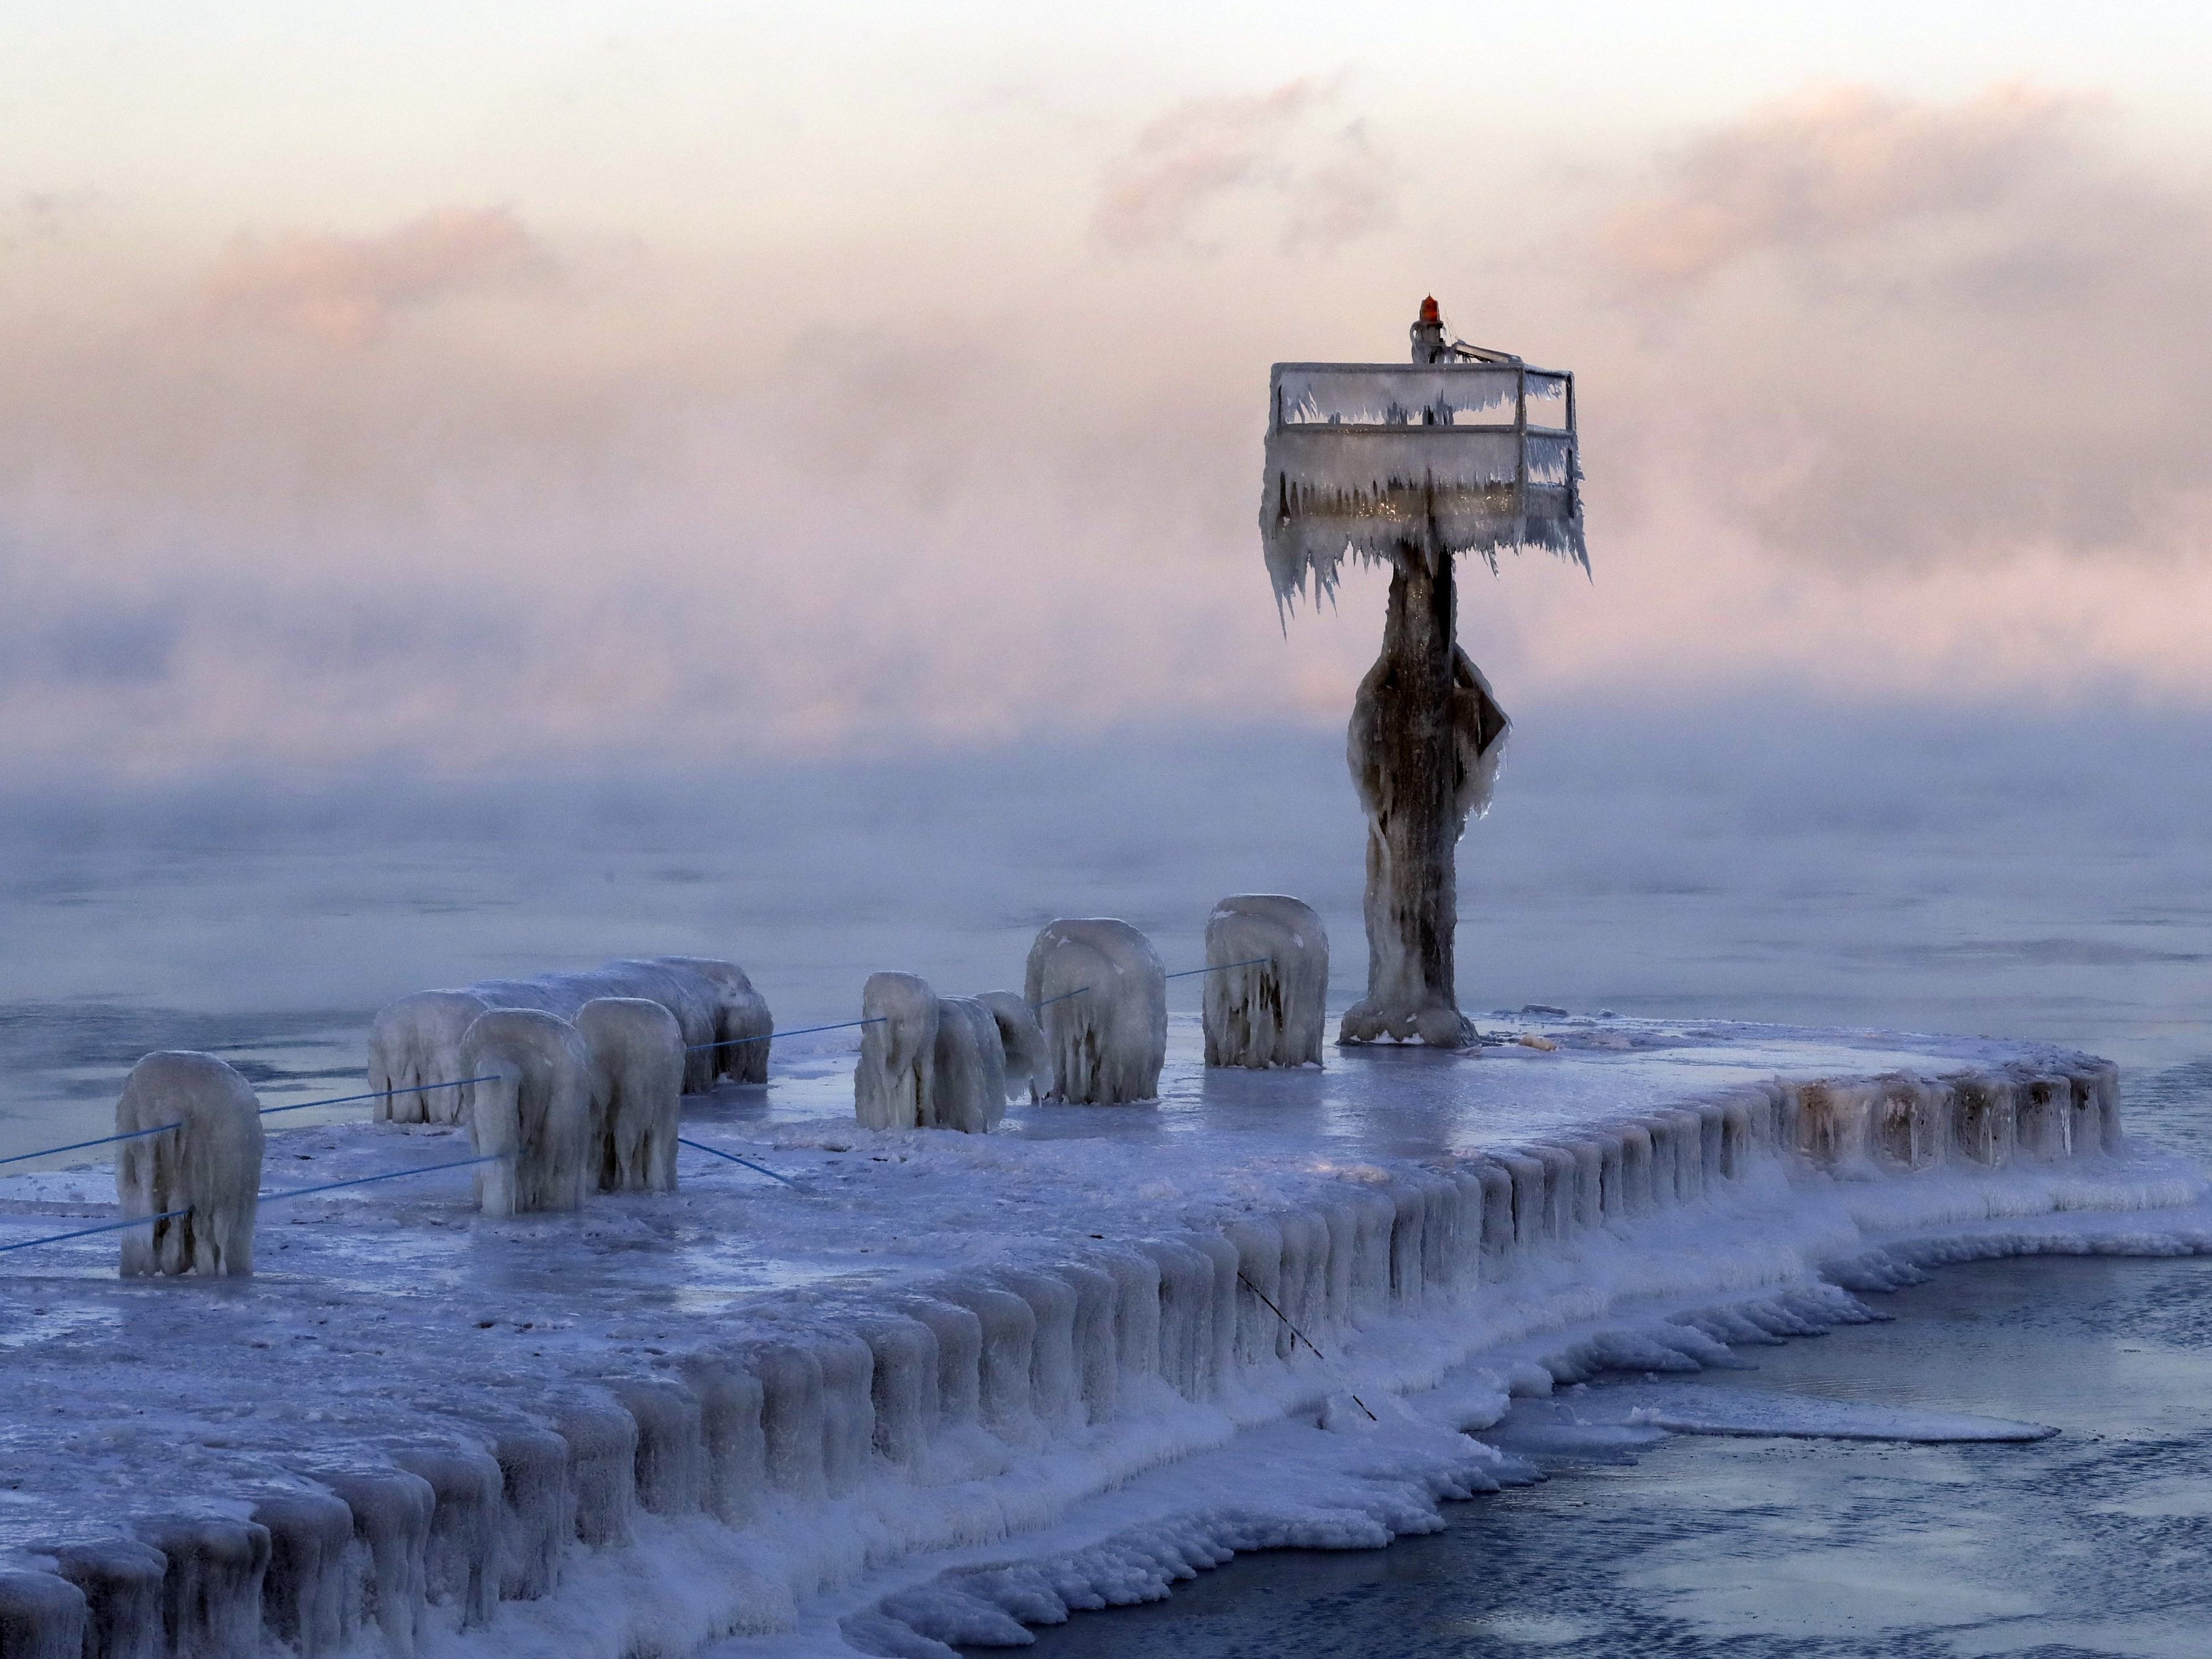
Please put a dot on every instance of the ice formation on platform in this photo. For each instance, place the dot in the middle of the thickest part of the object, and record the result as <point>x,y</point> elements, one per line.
<point>415,1042</point>
<point>637,1051</point>
<point>123,1583</point>
<point>926,1061</point>
<point>212,1585</point>
<point>957,1387</point>
<point>42,1616</point>
<point>742,1022</point>
<point>533,1116</point>
<point>1408,466</point>
<point>208,1165</point>
<point>1265,1000</point>
<point>1423,765</point>
<point>898,1069</point>
<point>307,1600</point>
<point>968,1072</point>
<point>1362,457</point>
<point>1029,1059</point>
<point>1101,994</point>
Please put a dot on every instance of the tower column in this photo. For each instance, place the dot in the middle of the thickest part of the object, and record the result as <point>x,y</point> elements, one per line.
<point>1425,742</point>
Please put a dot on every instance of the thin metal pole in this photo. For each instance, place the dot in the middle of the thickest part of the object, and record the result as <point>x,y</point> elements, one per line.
<point>1302,1337</point>
<point>1520,454</point>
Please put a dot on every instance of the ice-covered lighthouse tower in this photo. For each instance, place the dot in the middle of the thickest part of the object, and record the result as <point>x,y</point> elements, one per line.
<point>1408,466</point>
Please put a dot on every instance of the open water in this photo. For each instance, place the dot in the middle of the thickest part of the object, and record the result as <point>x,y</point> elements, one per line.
<point>2095,1541</point>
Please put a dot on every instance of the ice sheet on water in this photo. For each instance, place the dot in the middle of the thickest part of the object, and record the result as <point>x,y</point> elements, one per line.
<point>1707,1408</point>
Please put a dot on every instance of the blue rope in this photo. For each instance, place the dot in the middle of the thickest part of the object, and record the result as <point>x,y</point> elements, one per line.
<point>701,1146</point>
<point>1215,967</point>
<point>734,1042</point>
<point>79,1145</point>
<point>105,1227</point>
<point>389,1174</point>
<point>381,1094</point>
<point>1184,973</point>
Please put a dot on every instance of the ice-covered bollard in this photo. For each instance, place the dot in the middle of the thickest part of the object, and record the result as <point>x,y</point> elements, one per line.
<point>671,1467</point>
<point>121,1579</point>
<point>741,1018</point>
<point>688,1000</point>
<point>637,1094</point>
<point>391,1527</point>
<point>537,1511</point>
<point>533,1114</point>
<point>211,1592</point>
<point>602,1465</point>
<point>208,1165</point>
<point>461,1561</point>
<point>893,1084</point>
<point>729,1397</point>
<point>414,1046</point>
<point>1264,997</point>
<point>968,1081</point>
<point>1983,1118</point>
<point>1101,995</point>
<point>416,1043</point>
<point>1029,1060</point>
<point>41,1616</point>
<point>307,1595</point>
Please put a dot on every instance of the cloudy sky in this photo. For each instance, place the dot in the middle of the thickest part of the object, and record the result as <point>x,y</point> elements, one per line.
<point>467,384</point>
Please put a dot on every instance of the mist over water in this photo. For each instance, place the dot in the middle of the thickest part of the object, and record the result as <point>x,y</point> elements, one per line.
<point>1897,868</point>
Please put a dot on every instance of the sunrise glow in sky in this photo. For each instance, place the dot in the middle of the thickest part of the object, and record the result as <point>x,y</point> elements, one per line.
<point>471,382</point>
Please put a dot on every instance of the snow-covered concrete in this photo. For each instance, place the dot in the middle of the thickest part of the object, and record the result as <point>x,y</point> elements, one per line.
<point>951,1383</point>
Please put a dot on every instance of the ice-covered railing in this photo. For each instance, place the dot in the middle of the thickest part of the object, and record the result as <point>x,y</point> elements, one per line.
<point>807,1403</point>
<point>1374,459</point>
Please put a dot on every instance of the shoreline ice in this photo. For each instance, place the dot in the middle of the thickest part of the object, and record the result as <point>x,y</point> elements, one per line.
<point>964,1382</point>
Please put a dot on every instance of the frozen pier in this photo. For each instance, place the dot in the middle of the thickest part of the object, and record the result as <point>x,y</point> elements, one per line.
<point>948,1385</point>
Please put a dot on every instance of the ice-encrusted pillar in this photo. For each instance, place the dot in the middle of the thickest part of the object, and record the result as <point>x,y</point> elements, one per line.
<point>1425,742</point>
<point>1408,466</point>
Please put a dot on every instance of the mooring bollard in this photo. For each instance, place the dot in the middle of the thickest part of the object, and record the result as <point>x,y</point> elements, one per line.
<point>196,1185</point>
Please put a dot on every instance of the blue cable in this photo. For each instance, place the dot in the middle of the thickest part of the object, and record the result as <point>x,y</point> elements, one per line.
<point>701,1146</point>
<point>381,1094</point>
<point>389,1174</point>
<point>734,1042</point>
<point>78,1145</point>
<point>105,1227</point>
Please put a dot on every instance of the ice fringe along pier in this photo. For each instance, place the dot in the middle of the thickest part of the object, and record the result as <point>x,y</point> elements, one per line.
<point>822,1463</point>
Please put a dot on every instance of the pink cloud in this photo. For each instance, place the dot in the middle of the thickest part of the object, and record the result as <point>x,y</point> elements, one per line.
<point>1209,149</point>
<point>1880,331</point>
<point>1830,165</point>
<point>348,290</point>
